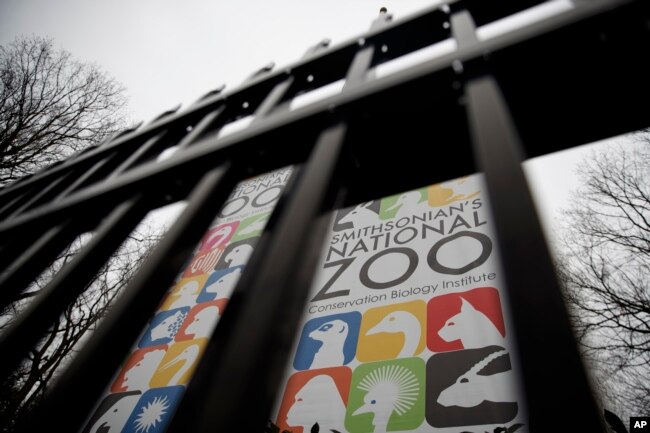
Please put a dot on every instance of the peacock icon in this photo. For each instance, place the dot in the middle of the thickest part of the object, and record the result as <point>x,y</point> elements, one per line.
<point>393,394</point>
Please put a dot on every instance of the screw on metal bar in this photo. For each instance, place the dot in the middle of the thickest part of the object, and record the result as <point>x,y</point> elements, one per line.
<point>457,65</point>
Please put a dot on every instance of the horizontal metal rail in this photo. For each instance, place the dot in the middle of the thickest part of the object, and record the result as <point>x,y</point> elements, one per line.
<point>349,101</point>
<point>267,81</point>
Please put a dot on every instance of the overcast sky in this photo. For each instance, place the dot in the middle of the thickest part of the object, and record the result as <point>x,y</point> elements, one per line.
<point>167,52</point>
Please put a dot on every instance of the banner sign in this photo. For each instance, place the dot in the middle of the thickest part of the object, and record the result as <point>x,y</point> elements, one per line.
<point>152,380</point>
<point>406,329</point>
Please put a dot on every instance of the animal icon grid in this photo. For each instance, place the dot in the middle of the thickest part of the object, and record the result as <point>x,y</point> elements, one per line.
<point>468,333</point>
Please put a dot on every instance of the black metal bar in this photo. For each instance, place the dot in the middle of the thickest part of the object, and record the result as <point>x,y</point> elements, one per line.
<point>463,28</point>
<point>82,383</point>
<point>11,203</point>
<point>557,389</point>
<point>88,174</point>
<point>359,68</point>
<point>189,138</point>
<point>138,154</point>
<point>15,203</point>
<point>14,243</point>
<point>273,99</point>
<point>202,127</point>
<point>68,284</point>
<point>48,190</point>
<point>28,265</point>
<point>237,383</point>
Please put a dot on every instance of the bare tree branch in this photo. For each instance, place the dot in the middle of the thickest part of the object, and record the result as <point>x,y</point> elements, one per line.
<point>21,392</point>
<point>605,267</point>
<point>51,106</point>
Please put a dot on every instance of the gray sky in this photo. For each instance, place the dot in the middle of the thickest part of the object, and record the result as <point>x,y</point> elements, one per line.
<point>167,52</point>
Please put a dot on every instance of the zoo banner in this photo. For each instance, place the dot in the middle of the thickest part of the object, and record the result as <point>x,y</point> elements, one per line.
<point>152,380</point>
<point>406,327</point>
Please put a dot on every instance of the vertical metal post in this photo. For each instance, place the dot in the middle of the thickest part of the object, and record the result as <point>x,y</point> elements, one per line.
<point>72,280</point>
<point>557,389</point>
<point>28,265</point>
<point>236,383</point>
<point>201,127</point>
<point>463,28</point>
<point>359,67</point>
<point>50,189</point>
<point>88,174</point>
<point>136,155</point>
<point>272,99</point>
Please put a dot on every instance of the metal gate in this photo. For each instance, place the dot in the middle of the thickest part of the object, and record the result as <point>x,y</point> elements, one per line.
<point>570,76</point>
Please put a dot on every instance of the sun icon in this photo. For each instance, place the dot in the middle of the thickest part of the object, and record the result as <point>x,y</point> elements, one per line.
<point>151,414</point>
